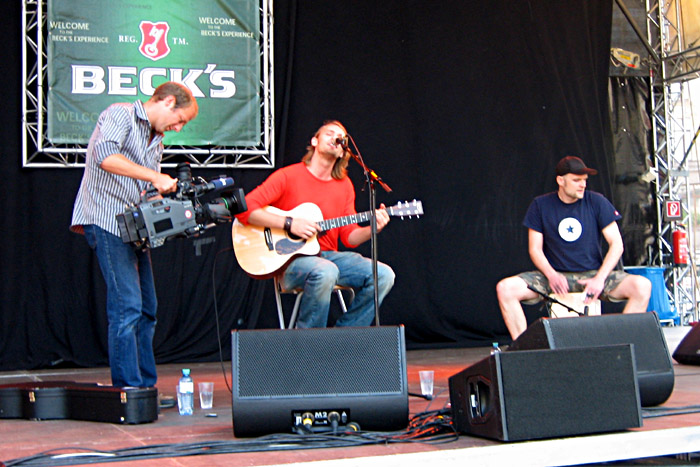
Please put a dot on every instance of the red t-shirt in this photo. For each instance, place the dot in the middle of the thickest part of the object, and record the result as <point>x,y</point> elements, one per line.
<point>290,186</point>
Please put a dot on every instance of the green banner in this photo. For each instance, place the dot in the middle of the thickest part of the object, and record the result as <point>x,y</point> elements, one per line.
<point>107,51</point>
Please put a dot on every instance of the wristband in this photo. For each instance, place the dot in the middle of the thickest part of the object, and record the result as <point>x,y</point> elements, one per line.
<point>288,224</point>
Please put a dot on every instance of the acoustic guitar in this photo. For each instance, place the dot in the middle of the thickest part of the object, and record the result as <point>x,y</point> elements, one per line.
<point>263,251</point>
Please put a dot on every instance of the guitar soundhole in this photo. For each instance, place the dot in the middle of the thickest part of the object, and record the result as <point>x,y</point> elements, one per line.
<point>287,246</point>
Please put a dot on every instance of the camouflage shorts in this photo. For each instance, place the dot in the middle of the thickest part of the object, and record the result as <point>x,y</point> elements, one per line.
<point>537,280</point>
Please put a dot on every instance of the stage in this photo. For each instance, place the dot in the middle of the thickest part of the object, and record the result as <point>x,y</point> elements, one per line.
<point>205,439</point>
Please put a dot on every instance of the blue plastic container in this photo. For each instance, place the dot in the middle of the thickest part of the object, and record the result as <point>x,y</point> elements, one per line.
<point>659,299</point>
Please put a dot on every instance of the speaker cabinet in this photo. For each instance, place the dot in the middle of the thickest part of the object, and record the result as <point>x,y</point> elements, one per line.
<point>533,394</point>
<point>654,367</point>
<point>688,350</point>
<point>312,377</point>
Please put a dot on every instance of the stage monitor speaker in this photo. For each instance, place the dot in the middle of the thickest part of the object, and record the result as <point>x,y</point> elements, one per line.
<point>654,367</point>
<point>534,394</point>
<point>688,350</point>
<point>315,378</point>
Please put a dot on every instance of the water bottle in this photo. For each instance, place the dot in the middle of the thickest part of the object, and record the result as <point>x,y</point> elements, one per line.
<point>495,348</point>
<point>185,393</point>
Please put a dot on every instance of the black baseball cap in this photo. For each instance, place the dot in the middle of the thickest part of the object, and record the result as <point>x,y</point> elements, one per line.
<point>573,165</point>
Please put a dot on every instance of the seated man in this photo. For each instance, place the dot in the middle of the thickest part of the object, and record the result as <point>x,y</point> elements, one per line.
<point>566,228</point>
<point>321,178</point>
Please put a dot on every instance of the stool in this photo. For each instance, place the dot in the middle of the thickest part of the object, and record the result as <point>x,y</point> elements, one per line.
<point>337,291</point>
<point>575,301</point>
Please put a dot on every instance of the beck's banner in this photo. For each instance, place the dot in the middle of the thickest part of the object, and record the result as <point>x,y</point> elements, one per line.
<point>106,51</point>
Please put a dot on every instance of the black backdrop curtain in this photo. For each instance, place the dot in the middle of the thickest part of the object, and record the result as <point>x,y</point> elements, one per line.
<point>464,105</point>
<point>631,138</point>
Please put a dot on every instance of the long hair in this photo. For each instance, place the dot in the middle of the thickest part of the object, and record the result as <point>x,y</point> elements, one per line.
<point>340,166</point>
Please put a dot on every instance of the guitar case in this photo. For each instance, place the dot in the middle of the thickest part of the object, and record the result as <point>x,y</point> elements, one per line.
<point>20,400</point>
<point>113,404</point>
<point>57,400</point>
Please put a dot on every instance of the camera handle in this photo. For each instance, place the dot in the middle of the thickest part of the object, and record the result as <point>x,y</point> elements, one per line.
<point>149,193</point>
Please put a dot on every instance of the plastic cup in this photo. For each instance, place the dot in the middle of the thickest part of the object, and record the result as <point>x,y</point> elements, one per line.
<point>206,395</point>
<point>426,382</point>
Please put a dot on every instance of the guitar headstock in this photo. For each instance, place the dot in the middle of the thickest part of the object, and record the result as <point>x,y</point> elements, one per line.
<point>406,209</point>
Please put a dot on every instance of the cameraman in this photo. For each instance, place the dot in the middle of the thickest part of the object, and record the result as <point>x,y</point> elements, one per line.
<point>122,158</point>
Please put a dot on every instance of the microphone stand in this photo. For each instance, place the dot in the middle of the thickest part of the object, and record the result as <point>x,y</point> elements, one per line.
<point>371,178</point>
<point>550,300</point>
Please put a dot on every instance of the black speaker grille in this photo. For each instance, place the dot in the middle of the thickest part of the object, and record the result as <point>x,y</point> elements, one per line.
<point>319,362</point>
<point>533,394</point>
<point>642,329</point>
<point>565,391</point>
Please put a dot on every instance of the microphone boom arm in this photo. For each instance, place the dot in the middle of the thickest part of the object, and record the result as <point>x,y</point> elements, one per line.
<point>370,173</point>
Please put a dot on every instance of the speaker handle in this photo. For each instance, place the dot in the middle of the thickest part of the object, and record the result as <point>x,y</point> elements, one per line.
<point>480,403</point>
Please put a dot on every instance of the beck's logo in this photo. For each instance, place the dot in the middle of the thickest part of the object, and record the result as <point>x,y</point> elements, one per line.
<point>154,39</point>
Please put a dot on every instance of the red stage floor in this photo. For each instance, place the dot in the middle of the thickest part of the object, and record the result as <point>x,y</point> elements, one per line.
<point>660,436</point>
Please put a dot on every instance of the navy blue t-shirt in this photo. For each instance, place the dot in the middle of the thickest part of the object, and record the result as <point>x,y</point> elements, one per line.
<point>572,232</point>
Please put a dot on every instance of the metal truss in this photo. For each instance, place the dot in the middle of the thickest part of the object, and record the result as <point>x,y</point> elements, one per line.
<point>671,67</point>
<point>38,151</point>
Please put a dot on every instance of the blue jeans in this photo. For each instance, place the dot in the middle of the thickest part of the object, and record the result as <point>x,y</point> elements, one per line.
<point>318,274</point>
<point>131,308</point>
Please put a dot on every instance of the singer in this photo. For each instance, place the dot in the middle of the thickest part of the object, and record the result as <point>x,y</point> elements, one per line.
<point>321,178</point>
<point>565,232</point>
<point>123,156</point>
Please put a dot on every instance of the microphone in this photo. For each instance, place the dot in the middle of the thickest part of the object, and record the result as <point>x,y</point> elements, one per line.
<point>342,141</point>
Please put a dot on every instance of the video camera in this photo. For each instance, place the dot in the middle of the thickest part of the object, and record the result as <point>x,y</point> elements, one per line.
<point>195,207</point>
